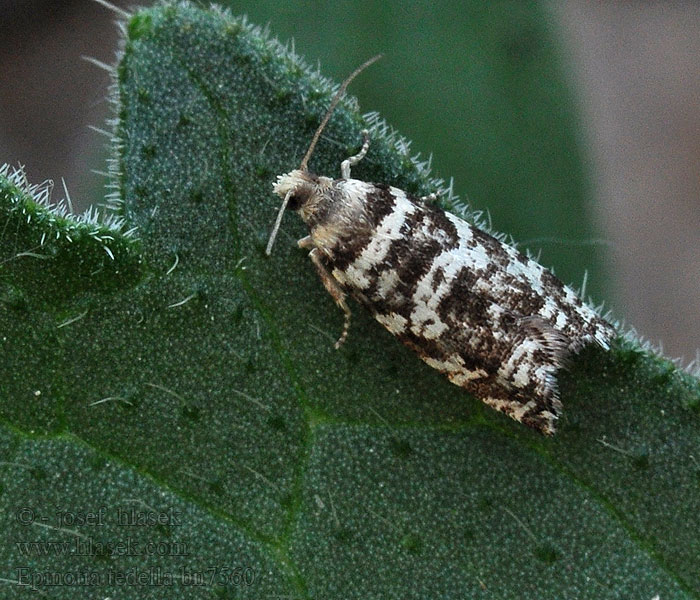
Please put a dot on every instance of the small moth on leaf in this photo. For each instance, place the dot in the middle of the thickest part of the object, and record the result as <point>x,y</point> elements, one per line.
<point>476,309</point>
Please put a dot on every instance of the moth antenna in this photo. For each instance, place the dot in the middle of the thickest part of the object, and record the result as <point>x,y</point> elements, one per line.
<point>331,108</point>
<point>278,221</point>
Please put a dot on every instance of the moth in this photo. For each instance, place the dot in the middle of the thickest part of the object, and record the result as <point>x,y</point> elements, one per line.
<point>490,318</point>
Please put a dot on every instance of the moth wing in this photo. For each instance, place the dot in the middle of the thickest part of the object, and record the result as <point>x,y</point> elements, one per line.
<point>526,384</point>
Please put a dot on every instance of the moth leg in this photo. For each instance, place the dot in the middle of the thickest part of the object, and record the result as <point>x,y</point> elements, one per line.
<point>306,242</point>
<point>353,160</point>
<point>333,289</point>
<point>429,198</point>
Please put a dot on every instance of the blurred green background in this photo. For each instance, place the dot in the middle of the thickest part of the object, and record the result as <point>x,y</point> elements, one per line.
<point>493,90</point>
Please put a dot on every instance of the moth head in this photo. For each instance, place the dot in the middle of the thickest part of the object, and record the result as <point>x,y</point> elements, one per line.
<point>299,186</point>
<point>295,188</point>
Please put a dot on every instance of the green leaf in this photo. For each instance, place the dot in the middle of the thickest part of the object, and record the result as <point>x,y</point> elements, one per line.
<point>180,377</point>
